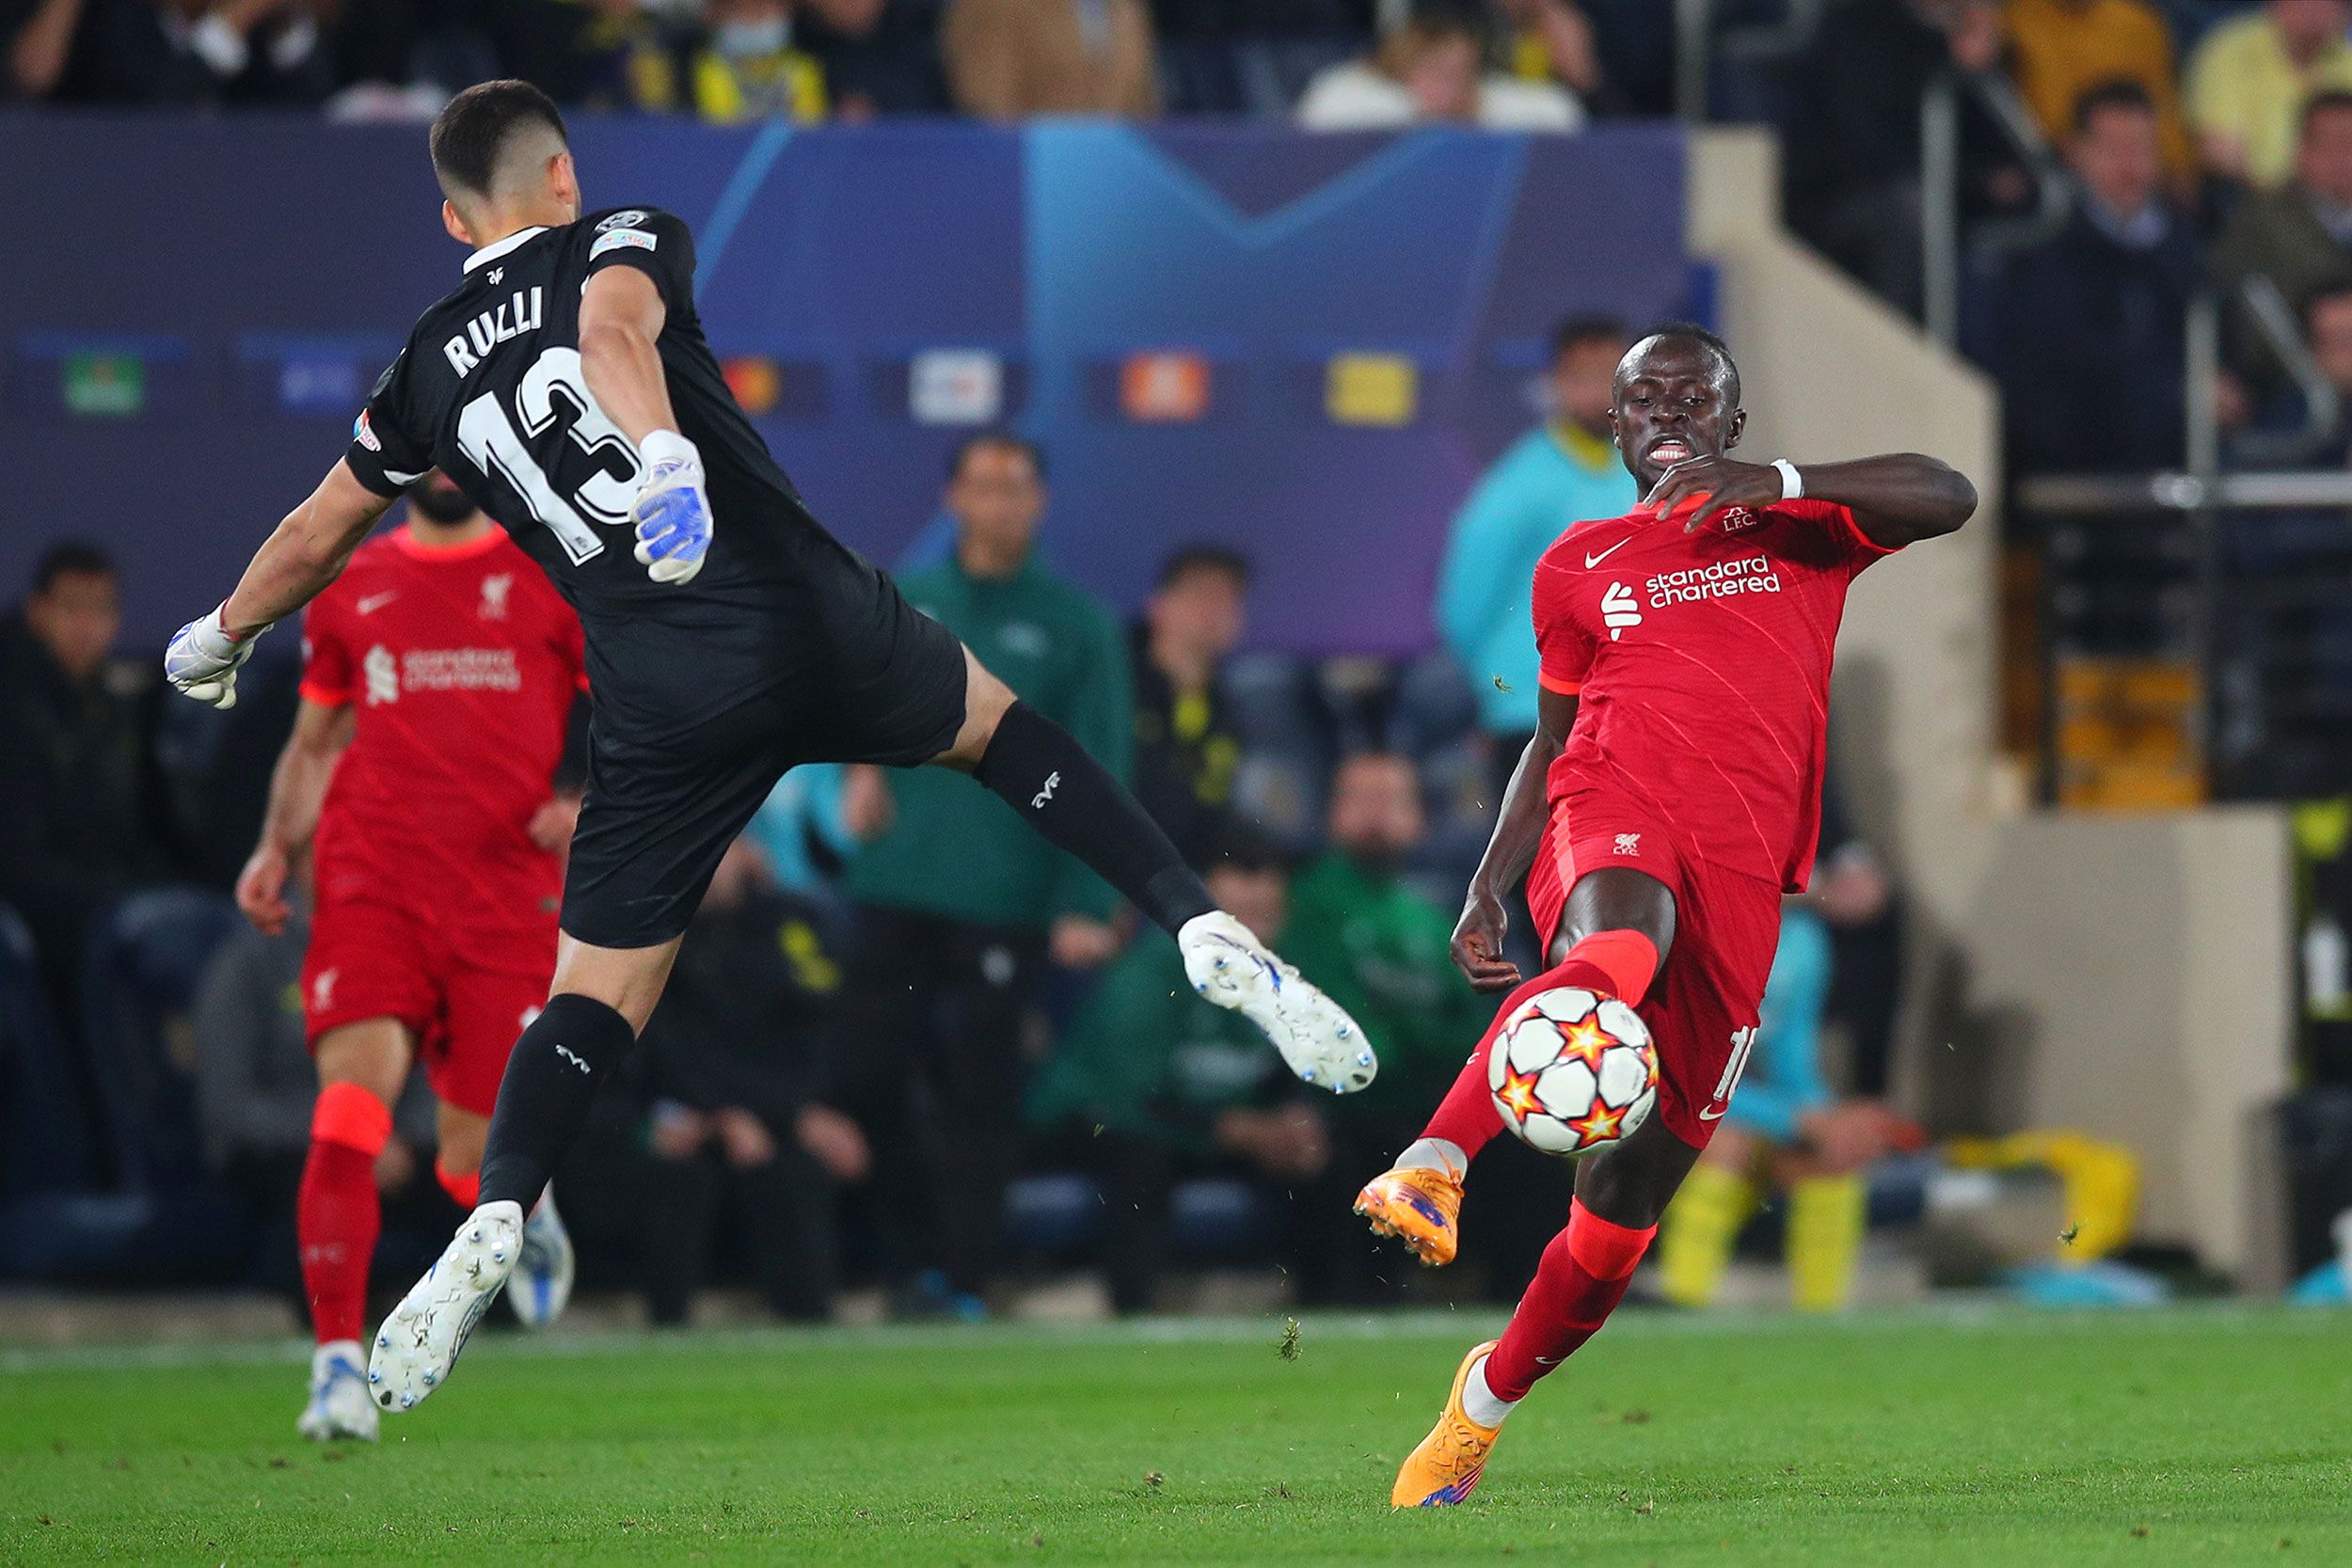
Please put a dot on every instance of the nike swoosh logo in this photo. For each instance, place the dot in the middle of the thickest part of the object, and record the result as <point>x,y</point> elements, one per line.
<point>374,602</point>
<point>1593,561</point>
<point>1713,1114</point>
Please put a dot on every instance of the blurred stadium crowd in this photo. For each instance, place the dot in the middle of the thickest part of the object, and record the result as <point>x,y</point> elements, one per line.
<point>871,1069</point>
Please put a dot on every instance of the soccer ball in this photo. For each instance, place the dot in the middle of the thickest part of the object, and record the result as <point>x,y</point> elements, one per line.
<point>1572,1071</point>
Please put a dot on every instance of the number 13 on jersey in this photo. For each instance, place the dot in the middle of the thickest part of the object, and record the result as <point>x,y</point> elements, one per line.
<point>553,404</point>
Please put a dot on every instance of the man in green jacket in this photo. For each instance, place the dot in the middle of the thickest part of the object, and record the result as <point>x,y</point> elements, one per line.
<point>1364,934</point>
<point>1152,1085</point>
<point>957,917</point>
<point>1383,951</point>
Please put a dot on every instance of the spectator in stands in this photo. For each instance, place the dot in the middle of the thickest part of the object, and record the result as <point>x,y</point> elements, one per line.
<point>1853,895</point>
<point>155,52</point>
<point>812,823</point>
<point>726,1070</point>
<point>1152,1085</point>
<point>2247,80</point>
<point>1785,1131</point>
<point>2060,49</point>
<point>1433,68</point>
<point>255,1084</point>
<point>1562,471</point>
<point>1186,748</point>
<point>2298,236</point>
<point>1251,56</point>
<point>1851,142</point>
<point>878,56</point>
<point>748,67</point>
<point>1008,59</point>
<point>2326,326</point>
<point>1382,951</point>
<point>82,800</point>
<point>2089,341</point>
<point>1554,41</point>
<point>955,920</point>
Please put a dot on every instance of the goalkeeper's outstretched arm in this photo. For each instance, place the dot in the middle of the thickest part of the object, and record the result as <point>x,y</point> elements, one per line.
<point>308,550</point>
<point>305,553</point>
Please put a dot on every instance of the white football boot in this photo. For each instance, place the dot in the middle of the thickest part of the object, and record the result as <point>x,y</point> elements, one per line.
<point>338,1407</point>
<point>543,1274</point>
<point>420,1342</point>
<point>1231,967</point>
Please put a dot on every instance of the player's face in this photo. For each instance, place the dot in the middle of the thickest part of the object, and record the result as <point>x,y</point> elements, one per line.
<point>1672,405</point>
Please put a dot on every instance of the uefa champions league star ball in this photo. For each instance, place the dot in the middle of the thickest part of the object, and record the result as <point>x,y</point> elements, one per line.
<point>1572,1071</point>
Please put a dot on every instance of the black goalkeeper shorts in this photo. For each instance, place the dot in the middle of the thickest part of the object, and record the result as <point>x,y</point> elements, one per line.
<point>884,683</point>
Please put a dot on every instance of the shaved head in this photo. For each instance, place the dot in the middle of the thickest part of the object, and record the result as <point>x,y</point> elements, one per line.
<point>1687,337</point>
<point>493,143</point>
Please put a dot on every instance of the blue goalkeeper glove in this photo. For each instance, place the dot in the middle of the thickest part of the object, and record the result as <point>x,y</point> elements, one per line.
<point>202,657</point>
<point>673,511</point>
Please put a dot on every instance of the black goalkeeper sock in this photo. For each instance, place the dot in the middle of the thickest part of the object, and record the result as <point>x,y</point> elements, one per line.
<point>1038,769</point>
<point>551,1079</point>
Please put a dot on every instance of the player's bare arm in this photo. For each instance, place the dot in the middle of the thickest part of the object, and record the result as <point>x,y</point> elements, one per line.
<point>298,790</point>
<point>1511,849</point>
<point>1896,500</point>
<point>621,316</point>
<point>294,564</point>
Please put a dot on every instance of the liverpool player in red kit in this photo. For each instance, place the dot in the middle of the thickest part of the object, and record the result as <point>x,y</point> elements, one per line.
<point>1669,799</point>
<point>438,677</point>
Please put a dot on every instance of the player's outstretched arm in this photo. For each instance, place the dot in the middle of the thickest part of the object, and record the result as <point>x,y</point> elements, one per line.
<point>621,317</point>
<point>293,567</point>
<point>297,789</point>
<point>1519,828</point>
<point>1896,500</point>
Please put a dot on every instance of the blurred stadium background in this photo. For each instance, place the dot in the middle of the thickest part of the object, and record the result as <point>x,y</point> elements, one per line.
<point>1302,301</point>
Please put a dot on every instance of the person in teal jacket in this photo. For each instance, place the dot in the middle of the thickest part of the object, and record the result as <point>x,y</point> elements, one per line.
<point>1561,472</point>
<point>955,918</point>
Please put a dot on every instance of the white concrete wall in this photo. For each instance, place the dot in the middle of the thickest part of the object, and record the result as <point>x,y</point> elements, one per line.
<point>2126,977</point>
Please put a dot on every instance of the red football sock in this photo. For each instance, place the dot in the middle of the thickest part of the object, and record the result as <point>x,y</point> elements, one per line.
<point>1580,1282</point>
<point>338,1214</point>
<point>464,1187</point>
<point>1620,962</point>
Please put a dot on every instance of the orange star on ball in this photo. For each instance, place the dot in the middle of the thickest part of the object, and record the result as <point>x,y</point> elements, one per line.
<point>1586,1041</point>
<point>1598,1125</point>
<point>1518,1093</point>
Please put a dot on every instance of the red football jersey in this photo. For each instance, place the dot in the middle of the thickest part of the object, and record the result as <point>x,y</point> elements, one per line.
<point>461,664</point>
<point>1701,665</point>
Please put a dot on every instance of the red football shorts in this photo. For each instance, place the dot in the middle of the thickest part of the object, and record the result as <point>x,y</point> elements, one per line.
<point>463,995</point>
<point>1702,1009</point>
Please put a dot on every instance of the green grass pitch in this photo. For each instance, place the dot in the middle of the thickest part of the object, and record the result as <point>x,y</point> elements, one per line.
<point>2212,1436</point>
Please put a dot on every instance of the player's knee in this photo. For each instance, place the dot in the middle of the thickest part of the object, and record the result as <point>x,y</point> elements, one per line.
<point>462,1136</point>
<point>986,701</point>
<point>372,1055</point>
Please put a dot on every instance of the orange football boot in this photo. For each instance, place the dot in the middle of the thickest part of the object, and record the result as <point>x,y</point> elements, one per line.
<point>1446,1467</point>
<point>1419,1207</point>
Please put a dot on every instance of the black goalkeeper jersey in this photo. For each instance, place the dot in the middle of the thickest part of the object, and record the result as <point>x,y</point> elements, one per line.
<point>490,390</point>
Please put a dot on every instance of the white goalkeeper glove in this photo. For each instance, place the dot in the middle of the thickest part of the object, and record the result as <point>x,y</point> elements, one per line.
<point>202,657</point>
<point>673,511</point>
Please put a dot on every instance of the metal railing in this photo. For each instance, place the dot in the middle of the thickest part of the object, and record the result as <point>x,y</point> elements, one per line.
<point>2205,500</point>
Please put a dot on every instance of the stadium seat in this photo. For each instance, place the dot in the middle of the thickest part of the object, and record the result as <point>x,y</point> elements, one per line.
<point>45,1124</point>
<point>147,954</point>
<point>1285,745</point>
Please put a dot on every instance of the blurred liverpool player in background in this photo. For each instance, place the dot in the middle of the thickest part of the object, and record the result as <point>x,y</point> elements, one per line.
<point>439,679</point>
<point>1670,794</point>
